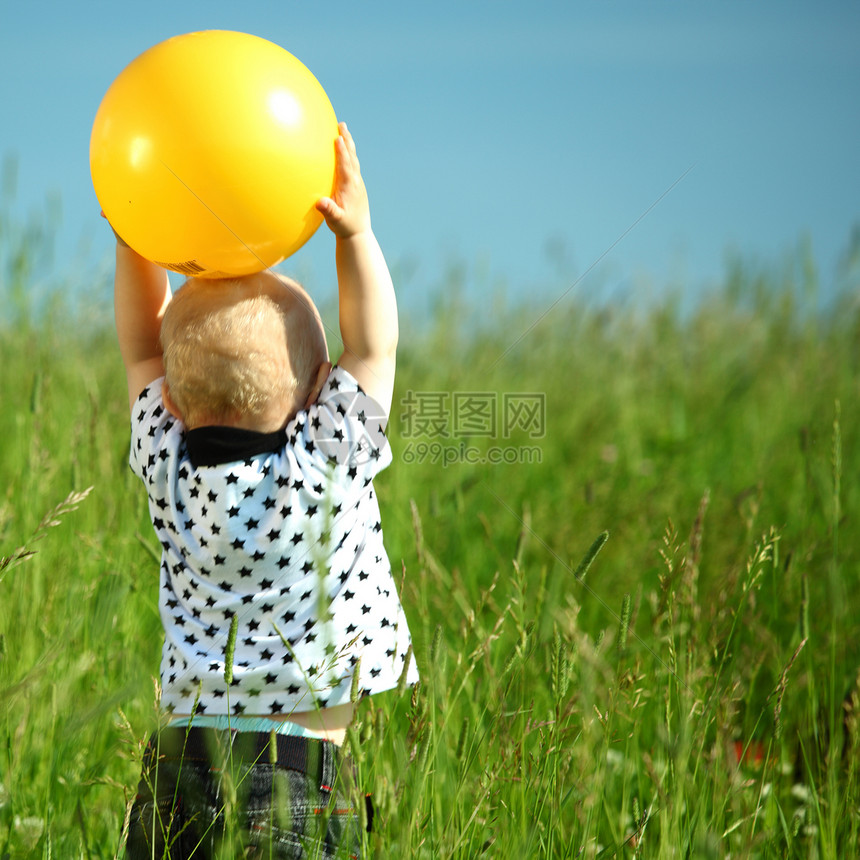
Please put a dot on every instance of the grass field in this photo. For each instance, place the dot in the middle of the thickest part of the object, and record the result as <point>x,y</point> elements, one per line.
<point>629,553</point>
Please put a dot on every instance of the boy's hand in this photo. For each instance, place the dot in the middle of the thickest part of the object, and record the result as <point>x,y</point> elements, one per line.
<point>347,211</point>
<point>367,304</point>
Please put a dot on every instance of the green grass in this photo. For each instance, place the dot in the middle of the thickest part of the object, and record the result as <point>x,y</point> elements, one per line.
<point>685,687</point>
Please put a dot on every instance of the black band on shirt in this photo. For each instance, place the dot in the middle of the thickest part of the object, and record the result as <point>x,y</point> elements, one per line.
<point>214,446</point>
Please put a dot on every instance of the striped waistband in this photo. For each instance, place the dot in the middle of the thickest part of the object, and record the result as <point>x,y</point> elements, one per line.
<point>316,757</point>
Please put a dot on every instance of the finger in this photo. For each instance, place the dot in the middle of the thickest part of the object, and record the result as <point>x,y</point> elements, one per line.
<point>347,161</point>
<point>347,139</point>
<point>347,170</point>
<point>328,209</point>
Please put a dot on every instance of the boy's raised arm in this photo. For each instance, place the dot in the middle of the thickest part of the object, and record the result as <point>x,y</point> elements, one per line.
<point>367,304</point>
<point>141,295</point>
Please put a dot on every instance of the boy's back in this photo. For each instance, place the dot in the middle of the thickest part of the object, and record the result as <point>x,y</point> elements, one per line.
<point>285,543</point>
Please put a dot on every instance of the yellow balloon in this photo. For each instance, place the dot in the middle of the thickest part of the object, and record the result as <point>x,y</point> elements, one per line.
<point>209,151</point>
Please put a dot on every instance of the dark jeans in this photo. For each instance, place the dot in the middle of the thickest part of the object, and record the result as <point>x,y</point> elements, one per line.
<point>213,795</point>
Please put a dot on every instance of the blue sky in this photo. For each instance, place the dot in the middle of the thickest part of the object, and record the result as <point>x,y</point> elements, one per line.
<point>635,142</point>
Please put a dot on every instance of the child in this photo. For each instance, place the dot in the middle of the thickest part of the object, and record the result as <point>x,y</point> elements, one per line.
<point>276,596</point>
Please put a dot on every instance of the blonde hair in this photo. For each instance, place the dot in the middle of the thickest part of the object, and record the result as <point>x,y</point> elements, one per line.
<point>238,347</point>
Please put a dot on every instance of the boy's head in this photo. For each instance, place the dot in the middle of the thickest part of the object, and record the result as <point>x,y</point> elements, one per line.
<point>242,352</point>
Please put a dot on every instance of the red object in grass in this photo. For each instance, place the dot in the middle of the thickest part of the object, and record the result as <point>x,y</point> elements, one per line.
<point>751,753</point>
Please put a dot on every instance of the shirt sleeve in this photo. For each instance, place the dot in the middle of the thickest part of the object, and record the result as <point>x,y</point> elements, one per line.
<point>150,421</point>
<point>346,427</point>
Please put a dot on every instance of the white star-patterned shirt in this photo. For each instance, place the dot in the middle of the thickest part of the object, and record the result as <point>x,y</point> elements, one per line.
<point>278,535</point>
